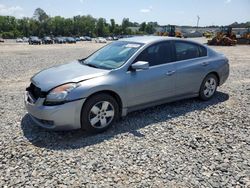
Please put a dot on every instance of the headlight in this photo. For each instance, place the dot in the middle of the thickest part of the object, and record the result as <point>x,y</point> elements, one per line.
<point>59,94</point>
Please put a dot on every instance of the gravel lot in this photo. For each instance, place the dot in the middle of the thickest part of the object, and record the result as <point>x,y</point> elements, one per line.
<point>183,144</point>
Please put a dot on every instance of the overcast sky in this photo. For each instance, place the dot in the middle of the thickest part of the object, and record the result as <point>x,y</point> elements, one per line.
<point>183,12</point>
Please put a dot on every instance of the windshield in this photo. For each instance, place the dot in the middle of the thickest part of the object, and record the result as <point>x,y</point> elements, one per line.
<point>113,55</point>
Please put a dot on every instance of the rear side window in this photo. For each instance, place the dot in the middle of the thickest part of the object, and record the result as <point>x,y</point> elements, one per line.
<point>203,51</point>
<point>185,50</point>
<point>157,54</point>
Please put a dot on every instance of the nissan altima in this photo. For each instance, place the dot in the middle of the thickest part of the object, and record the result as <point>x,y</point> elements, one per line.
<point>123,76</point>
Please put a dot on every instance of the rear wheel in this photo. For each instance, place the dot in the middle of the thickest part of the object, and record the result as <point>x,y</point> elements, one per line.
<point>99,113</point>
<point>208,87</point>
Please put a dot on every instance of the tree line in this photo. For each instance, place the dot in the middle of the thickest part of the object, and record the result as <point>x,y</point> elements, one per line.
<point>42,24</point>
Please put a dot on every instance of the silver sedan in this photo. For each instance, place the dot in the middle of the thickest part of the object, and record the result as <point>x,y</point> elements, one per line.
<point>124,76</point>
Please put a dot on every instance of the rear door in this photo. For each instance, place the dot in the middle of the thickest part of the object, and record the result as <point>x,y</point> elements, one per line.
<point>191,67</point>
<point>156,83</point>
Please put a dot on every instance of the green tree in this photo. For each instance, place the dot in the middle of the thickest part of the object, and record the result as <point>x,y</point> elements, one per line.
<point>149,29</point>
<point>41,25</point>
<point>125,24</point>
<point>102,28</point>
<point>112,26</point>
<point>34,26</point>
<point>89,25</point>
<point>143,27</point>
<point>40,15</point>
<point>23,26</point>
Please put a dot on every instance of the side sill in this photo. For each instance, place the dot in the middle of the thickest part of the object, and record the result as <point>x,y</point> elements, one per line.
<point>159,102</point>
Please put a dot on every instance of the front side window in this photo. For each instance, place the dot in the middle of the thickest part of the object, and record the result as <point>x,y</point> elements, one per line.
<point>186,50</point>
<point>113,55</point>
<point>157,54</point>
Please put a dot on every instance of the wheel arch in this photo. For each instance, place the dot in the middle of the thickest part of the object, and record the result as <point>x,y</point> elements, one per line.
<point>216,74</point>
<point>111,93</point>
<point>203,96</point>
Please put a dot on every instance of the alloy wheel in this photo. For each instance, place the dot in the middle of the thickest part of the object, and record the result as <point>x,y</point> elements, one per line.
<point>210,87</point>
<point>101,114</point>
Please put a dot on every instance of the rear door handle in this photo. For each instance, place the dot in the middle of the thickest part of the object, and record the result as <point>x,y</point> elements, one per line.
<point>205,64</point>
<point>170,73</point>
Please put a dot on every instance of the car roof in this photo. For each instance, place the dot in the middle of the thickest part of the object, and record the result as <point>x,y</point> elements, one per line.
<point>152,39</point>
<point>146,39</point>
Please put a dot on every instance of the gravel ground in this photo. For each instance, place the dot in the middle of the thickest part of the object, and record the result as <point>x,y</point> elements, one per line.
<point>183,144</point>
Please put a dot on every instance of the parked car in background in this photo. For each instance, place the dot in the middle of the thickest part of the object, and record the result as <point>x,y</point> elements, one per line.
<point>77,39</point>
<point>109,38</point>
<point>124,76</point>
<point>100,40</point>
<point>87,38</point>
<point>59,40</point>
<point>25,39</point>
<point>47,40</point>
<point>70,40</point>
<point>82,38</point>
<point>19,40</point>
<point>1,40</point>
<point>34,40</point>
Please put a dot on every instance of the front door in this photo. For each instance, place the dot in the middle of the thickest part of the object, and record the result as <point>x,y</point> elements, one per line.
<point>155,83</point>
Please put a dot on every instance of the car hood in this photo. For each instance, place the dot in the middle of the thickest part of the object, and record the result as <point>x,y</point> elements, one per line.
<point>71,72</point>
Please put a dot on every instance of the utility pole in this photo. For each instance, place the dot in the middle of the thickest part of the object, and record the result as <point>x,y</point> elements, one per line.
<point>198,19</point>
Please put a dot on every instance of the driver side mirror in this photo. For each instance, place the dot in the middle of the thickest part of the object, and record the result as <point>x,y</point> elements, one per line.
<point>140,65</point>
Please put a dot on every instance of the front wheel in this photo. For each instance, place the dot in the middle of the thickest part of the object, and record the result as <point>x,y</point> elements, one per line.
<point>208,87</point>
<point>99,113</point>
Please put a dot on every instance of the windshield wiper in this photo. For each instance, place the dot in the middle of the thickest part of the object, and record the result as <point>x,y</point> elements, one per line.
<point>81,61</point>
<point>87,64</point>
<point>91,65</point>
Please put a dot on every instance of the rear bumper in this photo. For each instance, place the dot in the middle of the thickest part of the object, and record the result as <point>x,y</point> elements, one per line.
<point>224,74</point>
<point>61,117</point>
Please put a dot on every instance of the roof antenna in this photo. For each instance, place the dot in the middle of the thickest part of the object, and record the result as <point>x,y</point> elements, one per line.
<point>198,20</point>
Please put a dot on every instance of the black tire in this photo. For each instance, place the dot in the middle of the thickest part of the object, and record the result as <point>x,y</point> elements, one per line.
<point>203,87</point>
<point>86,113</point>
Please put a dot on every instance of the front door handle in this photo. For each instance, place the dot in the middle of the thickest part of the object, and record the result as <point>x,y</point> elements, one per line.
<point>205,64</point>
<point>170,73</point>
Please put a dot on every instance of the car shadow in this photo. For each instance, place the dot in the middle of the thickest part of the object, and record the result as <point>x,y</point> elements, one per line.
<point>134,121</point>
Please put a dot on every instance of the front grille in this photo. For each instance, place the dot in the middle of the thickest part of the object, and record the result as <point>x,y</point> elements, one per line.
<point>36,92</point>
